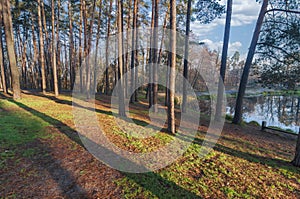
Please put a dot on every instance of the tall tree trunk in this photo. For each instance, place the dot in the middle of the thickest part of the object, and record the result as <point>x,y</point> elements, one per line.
<point>66,64</point>
<point>168,61</point>
<point>42,57</point>
<point>97,45</point>
<point>71,47</point>
<point>171,106</point>
<point>47,48</point>
<point>223,62</point>
<point>80,46</point>
<point>23,51</point>
<point>163,35</point>
<point>5,7</point>
<point>85,30</point>
<point>120,62</point>
<point>136,68</point>
<point>87,52</point>
<point>242,88</point>
<point>133,49</point>
<point>123,46</point>
<point>150,86</point>
<point>155,57</point>
<point>35,53</point>
<point>3,78</point>
<point>186,55</point>
<point>127,48</point>
<point>55,83</point>
<point>107,89</point>
<point>58,61</point>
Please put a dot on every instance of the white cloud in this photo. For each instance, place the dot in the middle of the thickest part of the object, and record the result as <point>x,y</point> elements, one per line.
<point>244,12</point>
<point>235,46</point>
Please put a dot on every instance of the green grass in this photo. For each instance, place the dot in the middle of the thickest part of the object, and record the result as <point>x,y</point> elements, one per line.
<point>281,129</point>
<point>18,127</point>
<point>282,92</point>
<point>236,168</point>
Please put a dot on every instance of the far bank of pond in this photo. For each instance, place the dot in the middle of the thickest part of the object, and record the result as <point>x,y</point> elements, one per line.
<point>277,110</point>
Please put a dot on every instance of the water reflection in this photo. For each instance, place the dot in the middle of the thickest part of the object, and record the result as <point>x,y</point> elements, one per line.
<point>280,111</point>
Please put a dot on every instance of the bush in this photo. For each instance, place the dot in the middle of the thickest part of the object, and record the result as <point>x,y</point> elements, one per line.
<point>229,117</point>
<point>254,123</point>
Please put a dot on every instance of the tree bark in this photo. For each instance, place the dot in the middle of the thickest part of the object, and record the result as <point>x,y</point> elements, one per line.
<point>186,55</point>
<point>87,52</point>
<point>3,78</point>
<point>133,49</point>
<point>80,46</point>
<point>35,53</point>
<point>155,57</point>
<point>58,66</point>
<point>120,62</point>
<point>97,45</point>
<point>55,84</point>
<point>5,7</point>
<point>107,89</point>
<point>150,85</point>
<point>127,48</point>
<point>71,47</point>
<point>296,160</point>
<point>41,40</point>
<point>47,48</point>
<point>136,72</point>
<point>243,83</point>
<point>223,62</point>
<point>171,106</point>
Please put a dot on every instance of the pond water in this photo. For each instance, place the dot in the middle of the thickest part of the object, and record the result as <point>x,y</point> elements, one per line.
<point>278,111</point>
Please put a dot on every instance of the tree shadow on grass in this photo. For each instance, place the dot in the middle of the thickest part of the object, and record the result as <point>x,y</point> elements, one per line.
<point>275,163</point>
<point>272,162</point>
<point>150,181</point>
<point>38,155</point>
<point>70,103</point>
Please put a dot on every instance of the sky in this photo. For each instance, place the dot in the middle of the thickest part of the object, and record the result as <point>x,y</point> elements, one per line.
<point>244,16</point>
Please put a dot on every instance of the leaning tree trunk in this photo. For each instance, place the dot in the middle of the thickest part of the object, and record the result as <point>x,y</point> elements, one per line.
<point>171,106</point>
<point>5,7</point>
<point>239,101</point>
<point>223,62</point>
<point>296,160</point>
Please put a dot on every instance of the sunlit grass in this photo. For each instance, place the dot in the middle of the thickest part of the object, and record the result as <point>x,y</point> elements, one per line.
<point>236,168</point>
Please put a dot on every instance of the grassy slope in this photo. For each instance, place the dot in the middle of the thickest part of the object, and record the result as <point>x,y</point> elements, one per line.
<point>242,165</point>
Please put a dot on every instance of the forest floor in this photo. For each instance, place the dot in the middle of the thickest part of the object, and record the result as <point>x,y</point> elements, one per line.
<point>42,156</point>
